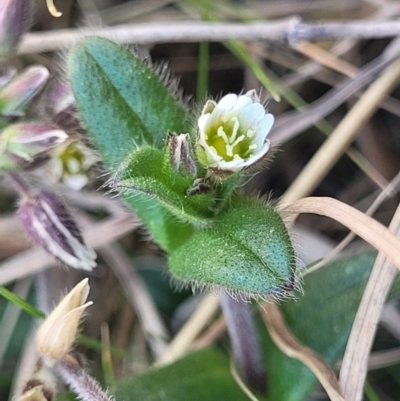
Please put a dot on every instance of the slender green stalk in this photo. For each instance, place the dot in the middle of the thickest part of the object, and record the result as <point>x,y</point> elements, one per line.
<point>202,75</point>
<point>240,52</point>
<point>106,359</point>
<point>26,306</point>
<point>96,345</point>
<point>370,392</point>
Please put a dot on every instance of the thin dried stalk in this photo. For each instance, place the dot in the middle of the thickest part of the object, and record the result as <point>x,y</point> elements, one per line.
<point>240,382</point>
<point>35,260</point>
<point>216,330</point>
<point>290,346</point>
<point>355,360</point>
<point>364,226</point>
<point>135,290</point>
<point>326,58</point>
<point>390,320</point>
<point>389,191</point>
<point>291,29</point>
<point>381,359</point>
<point>183,340</point>
<point>291,123</point>
<point>343,135</point>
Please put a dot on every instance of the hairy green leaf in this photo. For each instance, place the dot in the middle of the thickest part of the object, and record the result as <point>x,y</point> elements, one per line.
<point>159,196</point>
<point>247,250</point>
<point>148,172</point>
<point>121,100</point>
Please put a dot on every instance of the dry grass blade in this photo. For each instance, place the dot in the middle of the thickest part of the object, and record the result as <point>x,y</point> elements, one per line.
<point>326,58</point>
<point>389,191</point>
<point>216,330</point>
<point>343,135</point>
<point>137,294</point>
<point>35,260</point>
<point>290,346</point>
<point>183,340</point>
<point>390,320</point>
<point>291,123</point>
<point>381,359</point>
<point>364,226</point>
<point>355,360</point>
<point>240,382</point>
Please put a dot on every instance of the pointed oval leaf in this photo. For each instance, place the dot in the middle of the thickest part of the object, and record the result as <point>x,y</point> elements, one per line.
<point>249,250</point>
<point>121,100</point>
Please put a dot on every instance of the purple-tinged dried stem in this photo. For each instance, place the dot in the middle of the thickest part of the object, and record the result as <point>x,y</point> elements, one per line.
<point>244,340</point>
<point>80,382</point>
<point>22,185</point>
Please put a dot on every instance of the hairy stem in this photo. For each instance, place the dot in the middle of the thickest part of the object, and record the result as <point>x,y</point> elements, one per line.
<point>84,385</point>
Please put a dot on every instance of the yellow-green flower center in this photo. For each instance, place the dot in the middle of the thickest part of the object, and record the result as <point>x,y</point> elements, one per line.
<point>230,140</point>
<point>72,159</point>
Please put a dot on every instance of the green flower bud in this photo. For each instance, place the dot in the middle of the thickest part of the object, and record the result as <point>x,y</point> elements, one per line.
<point>181,154</point>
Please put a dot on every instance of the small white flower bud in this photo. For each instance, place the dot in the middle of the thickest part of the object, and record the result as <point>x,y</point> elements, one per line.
<point>57,333</point>
<point>15,96</point>
<point>23,144</point>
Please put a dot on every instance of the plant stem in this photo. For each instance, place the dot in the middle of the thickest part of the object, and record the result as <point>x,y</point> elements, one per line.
<point>244,340</point>
<point>202,76</point>
<point>84,385</point>
<point>23,187</point>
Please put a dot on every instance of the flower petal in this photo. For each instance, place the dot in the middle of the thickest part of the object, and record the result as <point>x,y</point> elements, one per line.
<point>232,135</point>
<point>226,103</point>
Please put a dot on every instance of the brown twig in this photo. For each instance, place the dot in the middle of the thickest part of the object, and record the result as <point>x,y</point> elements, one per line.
<point>343,135</point>
<point>96,235</point>
<point>293,122</point>
<point>290,29</point>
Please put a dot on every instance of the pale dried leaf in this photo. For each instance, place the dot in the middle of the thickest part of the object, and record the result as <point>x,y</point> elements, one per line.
<point>288,344</point>
<point>364,226</point>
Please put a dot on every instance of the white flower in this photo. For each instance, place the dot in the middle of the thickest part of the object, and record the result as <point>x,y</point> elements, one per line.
<point>233,132</point>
